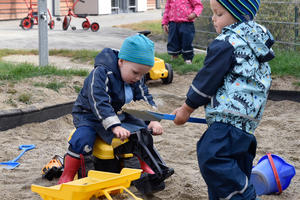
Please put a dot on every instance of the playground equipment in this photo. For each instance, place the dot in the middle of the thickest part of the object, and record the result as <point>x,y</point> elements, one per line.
<point>96,184</point>
<point>112,157</point>
<point>32,17</point>
<point>85,24</point>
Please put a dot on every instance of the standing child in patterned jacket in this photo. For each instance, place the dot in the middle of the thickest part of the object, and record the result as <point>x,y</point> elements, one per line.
<point>178,23</point>
<point>233,86</point>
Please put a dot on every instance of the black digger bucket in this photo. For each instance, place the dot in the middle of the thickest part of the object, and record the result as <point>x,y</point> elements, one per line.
<point>141,144</point>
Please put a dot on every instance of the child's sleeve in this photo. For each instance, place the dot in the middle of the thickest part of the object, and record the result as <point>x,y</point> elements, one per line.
<point>218,61</point>
<point>198,7</point>
<point>165,20</point>
<point>99,99</point>
<point>141,92</point>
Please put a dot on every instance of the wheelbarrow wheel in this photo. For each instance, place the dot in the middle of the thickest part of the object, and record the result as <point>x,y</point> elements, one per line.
<point>66,23</point>
<point>26,23</point>
<point>51,24</point>
<point>169,78</point>
<point>86,25</point>
<point>95,27</point>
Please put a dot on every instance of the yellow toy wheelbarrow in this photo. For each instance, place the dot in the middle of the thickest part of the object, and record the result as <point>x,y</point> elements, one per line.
<point>97,184</point>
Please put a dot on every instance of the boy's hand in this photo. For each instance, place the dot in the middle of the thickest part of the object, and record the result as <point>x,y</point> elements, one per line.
<point>155,127</point>
<point>120,132</point>
<point>192,16</point>
<point>182,114</point>
<point>166,28</point>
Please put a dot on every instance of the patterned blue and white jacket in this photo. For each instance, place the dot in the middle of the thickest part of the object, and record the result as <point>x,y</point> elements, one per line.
<point>236,77</point>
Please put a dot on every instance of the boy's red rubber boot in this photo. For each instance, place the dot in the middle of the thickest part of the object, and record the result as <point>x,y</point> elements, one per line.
<point>71,166</point>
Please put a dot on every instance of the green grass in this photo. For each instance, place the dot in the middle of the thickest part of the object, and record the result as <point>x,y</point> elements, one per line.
<point>25,98</point>
<point>11,91</point>
<point>54,85</point>
<point>10,71</point>
<point>77,88</point>
<point>179,66</point>
<point>76,55</point>
<point>286,63</point>
<point>7,52</point>
<point>11,102</point>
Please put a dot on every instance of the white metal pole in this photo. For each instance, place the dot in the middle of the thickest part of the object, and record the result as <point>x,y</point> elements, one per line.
<point>43,32</point>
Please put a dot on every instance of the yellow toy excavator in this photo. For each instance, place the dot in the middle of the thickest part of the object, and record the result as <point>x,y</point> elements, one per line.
<point>160,70</point>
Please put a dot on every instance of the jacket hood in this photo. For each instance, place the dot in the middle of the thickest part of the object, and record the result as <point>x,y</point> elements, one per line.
<point>108,58</point>
<point>258,38</point>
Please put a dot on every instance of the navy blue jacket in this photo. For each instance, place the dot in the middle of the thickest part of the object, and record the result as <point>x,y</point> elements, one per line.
<point>103,94</point>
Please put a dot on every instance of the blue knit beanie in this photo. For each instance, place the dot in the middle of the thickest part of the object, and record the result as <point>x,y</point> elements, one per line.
<point>242,10</point>
<point>138,49</point>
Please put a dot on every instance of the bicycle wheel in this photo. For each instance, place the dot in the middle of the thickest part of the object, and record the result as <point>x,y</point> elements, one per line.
<point>26,23</point>
<point>85,25</point>
<point>66,23</point>
<point>95,27</point>
<point>51,24</point>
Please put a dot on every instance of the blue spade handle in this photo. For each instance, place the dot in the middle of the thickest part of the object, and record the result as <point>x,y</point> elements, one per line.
<point>172,117</point>
<point>24,148</point>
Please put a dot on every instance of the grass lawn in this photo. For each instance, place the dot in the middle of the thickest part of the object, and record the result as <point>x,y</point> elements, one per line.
<point>286,63</point>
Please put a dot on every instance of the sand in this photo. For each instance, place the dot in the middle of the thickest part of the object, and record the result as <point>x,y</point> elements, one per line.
<point>278,133</point>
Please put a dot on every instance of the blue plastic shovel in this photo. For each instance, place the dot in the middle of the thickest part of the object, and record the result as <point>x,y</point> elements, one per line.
<point>154,116</point>
<point>12,163</point>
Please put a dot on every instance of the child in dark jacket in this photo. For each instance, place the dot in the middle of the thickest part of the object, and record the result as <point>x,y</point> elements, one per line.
<point>233,86</point>
<point>117,79</point>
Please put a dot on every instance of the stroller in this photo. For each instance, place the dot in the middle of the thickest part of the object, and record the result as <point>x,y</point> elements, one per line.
<point>85,24</point>
<point>32,17</point>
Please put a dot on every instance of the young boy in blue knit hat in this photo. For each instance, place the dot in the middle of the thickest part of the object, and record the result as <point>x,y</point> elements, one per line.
<point>233,86</point>
<point>115,81</point>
